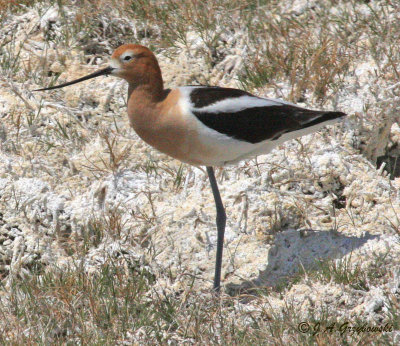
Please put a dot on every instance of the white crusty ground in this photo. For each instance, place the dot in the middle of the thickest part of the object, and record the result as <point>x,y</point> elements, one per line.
<point>279,207</point>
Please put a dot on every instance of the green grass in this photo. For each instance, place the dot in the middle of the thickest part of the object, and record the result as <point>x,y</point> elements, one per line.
<point>91,307</point>
<point>117,304</point>
<point>121,302</point>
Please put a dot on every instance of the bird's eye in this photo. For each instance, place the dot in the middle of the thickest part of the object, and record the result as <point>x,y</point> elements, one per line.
<point>127,58</point>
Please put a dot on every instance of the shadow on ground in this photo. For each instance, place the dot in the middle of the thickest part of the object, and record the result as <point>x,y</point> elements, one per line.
<point>293,250</point>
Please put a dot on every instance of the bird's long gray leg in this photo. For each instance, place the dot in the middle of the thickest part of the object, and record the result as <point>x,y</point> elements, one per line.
<point>221,222</point>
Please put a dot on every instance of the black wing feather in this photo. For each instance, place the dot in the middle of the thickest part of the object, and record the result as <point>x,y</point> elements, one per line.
<point>207,95</point>
<point>255,124</point>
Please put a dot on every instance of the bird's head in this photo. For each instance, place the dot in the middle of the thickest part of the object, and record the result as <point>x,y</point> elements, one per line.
<point>132,62</point>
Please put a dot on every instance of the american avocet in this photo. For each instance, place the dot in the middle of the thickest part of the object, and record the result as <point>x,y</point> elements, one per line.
<point>203,125</point>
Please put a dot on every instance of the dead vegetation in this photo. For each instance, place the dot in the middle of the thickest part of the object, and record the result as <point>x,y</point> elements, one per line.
<point>99,291</point>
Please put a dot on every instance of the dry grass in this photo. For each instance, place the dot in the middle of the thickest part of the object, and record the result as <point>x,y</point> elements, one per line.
<point>117,305</point>
<point>314,51</point>
<point>14,5</point>
<point>301,56</point>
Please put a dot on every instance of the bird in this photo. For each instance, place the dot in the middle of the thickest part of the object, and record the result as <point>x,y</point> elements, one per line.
<point>204,125</point>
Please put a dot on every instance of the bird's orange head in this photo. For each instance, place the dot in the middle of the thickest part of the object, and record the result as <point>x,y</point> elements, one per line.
<point>130,59</point>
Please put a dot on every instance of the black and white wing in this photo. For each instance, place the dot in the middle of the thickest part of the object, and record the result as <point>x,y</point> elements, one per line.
<point>245,117</point>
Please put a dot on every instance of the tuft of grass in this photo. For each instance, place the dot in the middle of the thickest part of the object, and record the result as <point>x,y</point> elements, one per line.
<point>14,6</point>
<point>72,306</point>
<point>292,49</point>
<point>116,155</point>
<point>341,271</point>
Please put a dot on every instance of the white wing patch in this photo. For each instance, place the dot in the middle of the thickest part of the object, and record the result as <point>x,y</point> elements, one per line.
<point>237,104</point>
<point>184,101</point>
<point>223,148</point>
<point>232,104</point>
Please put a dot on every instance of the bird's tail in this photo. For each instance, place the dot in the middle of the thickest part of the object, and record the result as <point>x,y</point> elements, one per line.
<point>320,117</point>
